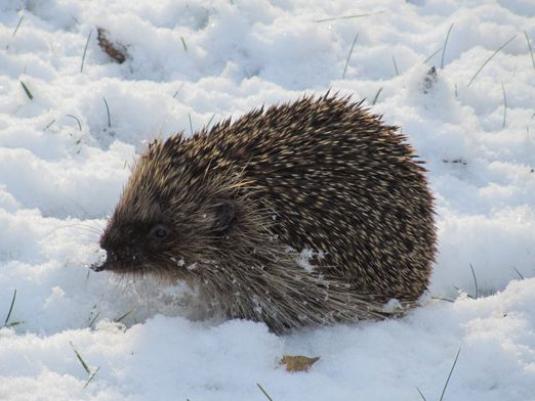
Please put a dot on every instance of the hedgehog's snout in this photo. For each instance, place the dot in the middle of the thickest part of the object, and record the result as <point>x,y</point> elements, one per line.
<point>110,259</point>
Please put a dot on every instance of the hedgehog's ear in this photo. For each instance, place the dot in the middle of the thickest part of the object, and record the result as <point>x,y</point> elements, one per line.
<point>225,215</point>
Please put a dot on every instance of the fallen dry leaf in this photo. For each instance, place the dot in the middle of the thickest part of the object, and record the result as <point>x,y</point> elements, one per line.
<point>298,363</point>
<point>115,50</point>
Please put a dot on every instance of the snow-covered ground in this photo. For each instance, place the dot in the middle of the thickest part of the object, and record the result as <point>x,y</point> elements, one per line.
<point>63,162</point>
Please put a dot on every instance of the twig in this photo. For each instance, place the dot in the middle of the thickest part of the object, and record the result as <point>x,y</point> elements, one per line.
<point>377,95</point>
<point>449,375</point>
<point>490,58</point>
<point>530,49</point>
<point>107,112</point>
<point>85,50</point>
<point>264,391</point>
<point>349,54</point>
<point>444,47</point>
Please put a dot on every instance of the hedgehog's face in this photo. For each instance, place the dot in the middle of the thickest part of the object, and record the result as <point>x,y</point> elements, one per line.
<point>148,237</point>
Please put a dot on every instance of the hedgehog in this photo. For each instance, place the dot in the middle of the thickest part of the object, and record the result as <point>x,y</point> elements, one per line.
<point>305,213</point>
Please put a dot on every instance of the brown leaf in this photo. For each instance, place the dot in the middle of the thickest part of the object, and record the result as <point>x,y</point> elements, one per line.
<point>115,50</point>
<point>298,363</point>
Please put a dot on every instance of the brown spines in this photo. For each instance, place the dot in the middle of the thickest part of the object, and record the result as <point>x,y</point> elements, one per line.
<point>319,173</point>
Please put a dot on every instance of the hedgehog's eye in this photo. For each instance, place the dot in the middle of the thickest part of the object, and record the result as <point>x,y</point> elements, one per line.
<point>159,232</point>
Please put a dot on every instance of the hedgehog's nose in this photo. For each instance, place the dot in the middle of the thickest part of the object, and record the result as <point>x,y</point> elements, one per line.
<point>111,257</point>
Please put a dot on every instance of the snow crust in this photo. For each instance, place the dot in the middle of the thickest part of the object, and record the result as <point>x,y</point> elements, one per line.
<point>63,164</point>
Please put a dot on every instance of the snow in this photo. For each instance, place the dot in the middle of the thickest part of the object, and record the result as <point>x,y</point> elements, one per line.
<point>59,181</point>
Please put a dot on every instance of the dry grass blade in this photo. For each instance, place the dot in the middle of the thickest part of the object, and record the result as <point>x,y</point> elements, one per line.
<point>349,54</point>
<point>348,17</point>
<point>123,316</point>
<point>18,26</point>
<point>49,125</point>
<point>530,49</point>
<point>395,65</point>
<point>85,50</point>
<point>91,377</point>
<point>26,90</point>
<point>190,124</point>
<point>444,47</point>
<point>377,95</point>
<point>81,360</point>
<point>519,274</point>
<point>504,106</point>
<point>107,112</point>
<point>432,55</point>
<point>184,45</point>
<point>11,307</point>
<point>449,375</point>
<point>94,319</point>
<point>77,120</point>
<point>476,286</point>
<point>490,58</point>
<point>421,394</point>
<point>264,392</point>
<point>210,121</point>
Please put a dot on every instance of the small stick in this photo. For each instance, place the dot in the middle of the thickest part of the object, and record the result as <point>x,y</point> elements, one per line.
<point>85,50</point>
<point>530,49</point>
<point>107,112</point>
<point>444,47</point>
<point>349,55</point>
<point>490,58</point>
